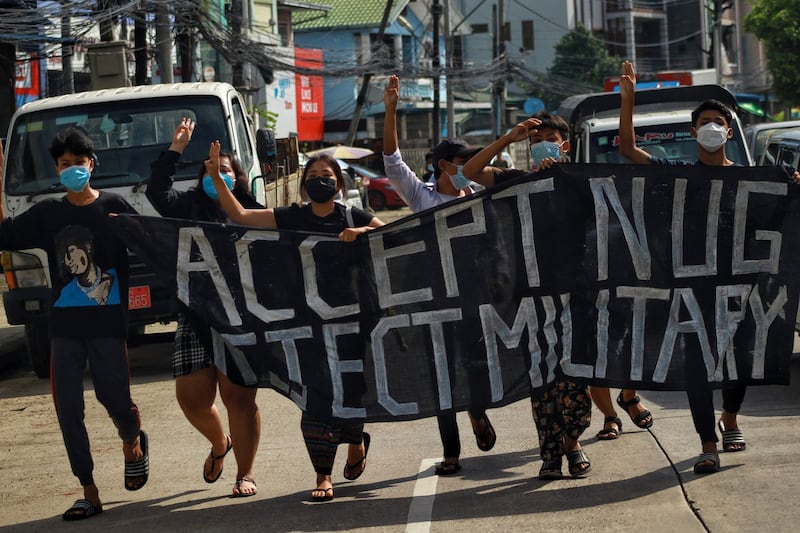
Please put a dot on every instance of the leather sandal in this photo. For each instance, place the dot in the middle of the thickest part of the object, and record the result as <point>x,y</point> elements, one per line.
<point>579,464</point>
<point>641,420</point>
<point>610,433</point>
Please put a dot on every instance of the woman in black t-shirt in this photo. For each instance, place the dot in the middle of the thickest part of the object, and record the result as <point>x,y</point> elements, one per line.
<point>322,179</point>
<point>196,377</point>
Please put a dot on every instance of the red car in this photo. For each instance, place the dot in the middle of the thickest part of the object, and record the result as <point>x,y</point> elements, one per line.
<point>380,192</point>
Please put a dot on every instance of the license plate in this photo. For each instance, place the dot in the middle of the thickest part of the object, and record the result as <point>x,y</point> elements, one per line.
<point>139,297</point>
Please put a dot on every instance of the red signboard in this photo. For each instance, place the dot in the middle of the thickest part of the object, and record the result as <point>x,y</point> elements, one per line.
<point>310,96</point>
<point>26,83</point>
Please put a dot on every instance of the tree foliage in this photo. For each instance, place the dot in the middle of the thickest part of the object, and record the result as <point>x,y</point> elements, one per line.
<point>581,57</point>
<point>777,24</point>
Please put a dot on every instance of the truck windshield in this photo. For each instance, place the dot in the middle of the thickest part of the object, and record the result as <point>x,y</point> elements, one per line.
<point>669,140</point>
<point>127,135</point>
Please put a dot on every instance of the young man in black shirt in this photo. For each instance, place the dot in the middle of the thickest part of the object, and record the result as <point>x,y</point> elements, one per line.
<point>88,314</point>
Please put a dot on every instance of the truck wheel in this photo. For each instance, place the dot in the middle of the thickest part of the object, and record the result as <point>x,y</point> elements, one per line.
<point>135,335</point>
<point>37,340</point>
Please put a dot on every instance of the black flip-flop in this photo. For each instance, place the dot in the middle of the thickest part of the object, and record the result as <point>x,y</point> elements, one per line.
<point>214,459</point>
<point>140,468</point>
<point>349,469</point>
<point>486,439</point>
<point>326,497</point>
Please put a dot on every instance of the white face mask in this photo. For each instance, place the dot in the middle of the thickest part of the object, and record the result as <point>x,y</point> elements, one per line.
<point>712,136</point>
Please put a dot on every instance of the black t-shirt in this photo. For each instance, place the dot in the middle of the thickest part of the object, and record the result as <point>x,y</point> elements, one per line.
<point>301,218</point>
<point>88,265</point>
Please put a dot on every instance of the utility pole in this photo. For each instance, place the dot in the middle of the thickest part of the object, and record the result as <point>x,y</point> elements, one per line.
<point>717,32</point>
<point>448,58</point>
<point>498,81</point>
<point>67,78</point>
<point>236,19</point>
<point>140,45</point>
<point>164,38</point>
<point>436,11</point>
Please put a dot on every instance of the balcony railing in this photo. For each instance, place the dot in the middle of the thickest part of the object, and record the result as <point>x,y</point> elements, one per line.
<point>634,5</point>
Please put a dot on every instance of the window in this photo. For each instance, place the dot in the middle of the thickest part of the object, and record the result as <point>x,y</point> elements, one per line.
<point>527,35</point>
<point>480,28</point>
<point>127,136</point>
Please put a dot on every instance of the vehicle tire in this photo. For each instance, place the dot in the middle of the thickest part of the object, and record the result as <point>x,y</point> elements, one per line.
<point>37,341</point>
<point>377,201</point>
<point>135,335</point>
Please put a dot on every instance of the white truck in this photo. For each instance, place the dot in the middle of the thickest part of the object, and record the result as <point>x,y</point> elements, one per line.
<point>661,119</point>
<point>130,127</point>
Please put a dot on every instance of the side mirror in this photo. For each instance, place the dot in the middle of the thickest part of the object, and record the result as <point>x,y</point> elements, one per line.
<point>265,146</point>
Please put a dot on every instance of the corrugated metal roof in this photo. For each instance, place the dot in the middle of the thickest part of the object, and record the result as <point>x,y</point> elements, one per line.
<point>346,14</point>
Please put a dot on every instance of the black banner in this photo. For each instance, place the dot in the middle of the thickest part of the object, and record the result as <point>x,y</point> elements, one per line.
<point>618,275</point>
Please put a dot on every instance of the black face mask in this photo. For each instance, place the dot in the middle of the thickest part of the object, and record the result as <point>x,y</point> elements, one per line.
<point>320,190</point>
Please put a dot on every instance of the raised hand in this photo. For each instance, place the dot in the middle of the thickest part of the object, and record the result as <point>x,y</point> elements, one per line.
<point>212,163</point>
<point>627,79</point>
<point>391,94</point>
<point>182,135</point>
<point>524,129</point>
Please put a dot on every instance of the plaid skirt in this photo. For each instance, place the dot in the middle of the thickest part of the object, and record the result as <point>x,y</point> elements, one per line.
<point>189,355</point>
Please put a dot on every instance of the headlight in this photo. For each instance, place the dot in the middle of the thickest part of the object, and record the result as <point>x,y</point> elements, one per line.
<point>23,270</point>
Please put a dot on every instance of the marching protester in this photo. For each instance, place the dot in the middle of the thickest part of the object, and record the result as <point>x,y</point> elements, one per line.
<point>449,184</point>
<point>711,122</point>
<point>196,377</point>
<point>322,179</point>
<point>88,314</point>
<point>562,412</point>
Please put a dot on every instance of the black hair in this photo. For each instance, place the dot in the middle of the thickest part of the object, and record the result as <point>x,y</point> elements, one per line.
<point>555,122</point>
<point>240,181</point>
<point>331,162</point>
<point>73,140</point>
<point>714,105</point>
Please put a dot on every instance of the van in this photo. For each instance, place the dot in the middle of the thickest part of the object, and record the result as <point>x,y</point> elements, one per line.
<point>130,127</point>
<point>661,119</point>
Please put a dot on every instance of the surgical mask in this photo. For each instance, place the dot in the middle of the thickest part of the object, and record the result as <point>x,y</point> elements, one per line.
<point>75,177</point>
<point>208,186</point>
<point>544,149</point>
<point>712,136</point>
<point>429,168</point>
<point>458,179</point>
<point>320,190</point>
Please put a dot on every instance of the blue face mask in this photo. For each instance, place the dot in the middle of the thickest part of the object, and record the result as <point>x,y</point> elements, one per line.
<point>208,186</point>
<point>429,168</point>
<point>458,179</point>
<point>544,149</point>
<point>75,178</point>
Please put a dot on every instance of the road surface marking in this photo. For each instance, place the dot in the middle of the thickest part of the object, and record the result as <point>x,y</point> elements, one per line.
<point>421,508</point>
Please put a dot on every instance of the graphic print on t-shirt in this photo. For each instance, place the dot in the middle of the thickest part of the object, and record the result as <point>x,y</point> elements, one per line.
<point>86,284</point>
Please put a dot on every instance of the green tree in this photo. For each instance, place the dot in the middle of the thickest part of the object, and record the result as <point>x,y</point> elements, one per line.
<point>582,58</point>
<point>777,24</point>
